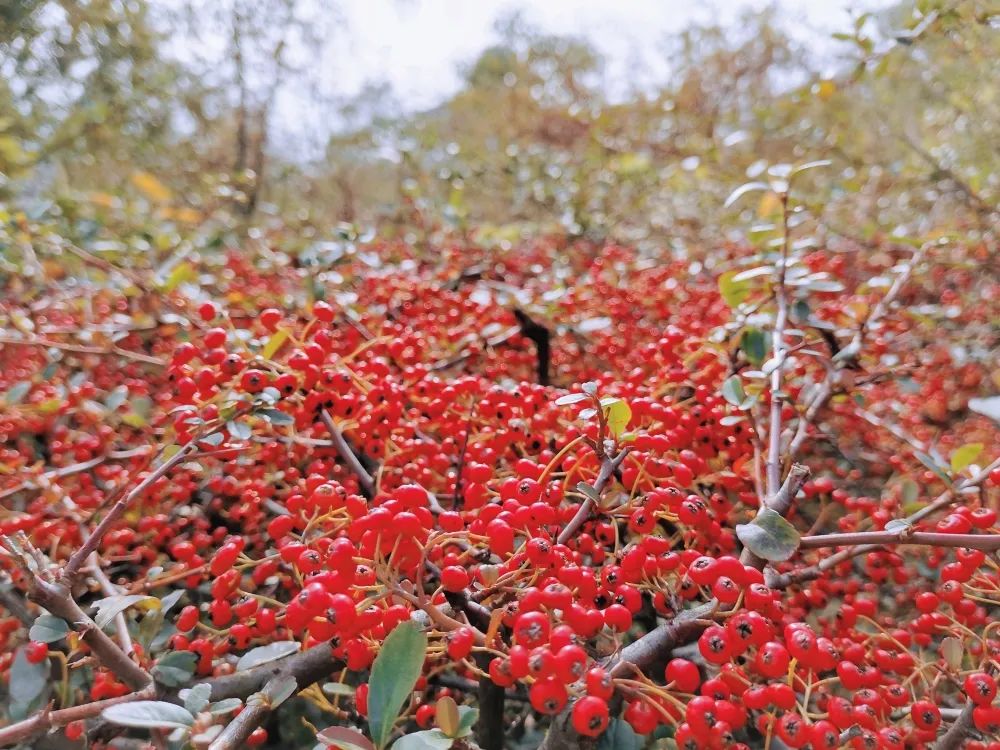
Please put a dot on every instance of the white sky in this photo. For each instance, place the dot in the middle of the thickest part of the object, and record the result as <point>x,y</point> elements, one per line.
<point>417,45</point>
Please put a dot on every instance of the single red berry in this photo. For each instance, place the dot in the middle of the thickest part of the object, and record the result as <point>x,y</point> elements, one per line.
<point>981,688</point>
<point>207,311</point>
<point>36,652</point>
<point>590,716</point>
<point>684,675</point>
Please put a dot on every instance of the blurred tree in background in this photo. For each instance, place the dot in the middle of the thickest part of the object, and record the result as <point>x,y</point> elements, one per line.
<point>94,93</point>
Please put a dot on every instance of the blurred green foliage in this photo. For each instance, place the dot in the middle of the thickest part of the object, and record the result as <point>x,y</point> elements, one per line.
<point>95,106</point>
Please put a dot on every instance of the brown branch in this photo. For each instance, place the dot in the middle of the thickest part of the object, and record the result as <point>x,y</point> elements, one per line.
<point>983,542</point>
<point>812,572</point>
<point>773,466</point>
<point>348,456</point>
<point>79,558</point>
<point>56,598</point>
<point>12,734</point>
<point>826,388</point>
<point>13,602</point>
<point>111,349</point>
<point>686,627</point>
<point>608,467</point>
<point>957,732</point>
<point>306,668</point>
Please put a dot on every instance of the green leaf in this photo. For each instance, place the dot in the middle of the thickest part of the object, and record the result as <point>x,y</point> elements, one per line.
<point>175,668</point>
<point>276,417</point>
<point>109,608</point>
<point>446,715</point>
<point>225,706</point>
<point>167,602</point>
<point>755,344</point>
<point>28,685</point>
<point>181,273</point>
<point>48,629</point>
<point>467,718</point>
<point>338,688</point>
<point>17,392</point>
<point>197,698</point>
<point>430,739</point>
<point>933,464</point>
<point>620,736</point>
<point>280,689</point>
<point>618,416</point>
<point>394,673</point>
<point>149,715</point>
<point>769,536</point>
<point>963,457</point>
<point>214,439</point>
<point>732,390</point>
<point>733,292</point>
<point>344,738</point>
<point>264,654</point>
<point>910,491</point>
<point>239,430</point>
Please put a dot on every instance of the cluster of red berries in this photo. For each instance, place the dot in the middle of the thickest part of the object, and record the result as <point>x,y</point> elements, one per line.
<point>473,473</point>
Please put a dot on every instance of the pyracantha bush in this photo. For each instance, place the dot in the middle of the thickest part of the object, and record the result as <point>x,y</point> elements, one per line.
<point>571,488</point>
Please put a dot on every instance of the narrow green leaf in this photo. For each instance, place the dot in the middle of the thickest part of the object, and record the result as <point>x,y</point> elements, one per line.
<point>109,608</point>
<point>732,390</point>
<point>430,739</point>
<point>393,675</point>
<point>149,715</point>
<point>264,654</point>
<point>571,398</point>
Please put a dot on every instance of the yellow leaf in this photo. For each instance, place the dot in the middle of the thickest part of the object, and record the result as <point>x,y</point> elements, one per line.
<point>105,200</point>
<point>733,292</point>
<point>134,420</point>
<point>446,712</point>
<point>181,273</point>
<point>964,456</point>
<point>151,187</point>
<point>825,89</point>
<point>51,406</point>
<point>183,215</point>
<point>618,415</point>
<point>274,343</point>
<point>769,205</point>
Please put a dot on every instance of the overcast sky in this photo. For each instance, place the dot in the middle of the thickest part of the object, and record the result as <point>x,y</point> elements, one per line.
<point>417,45</point>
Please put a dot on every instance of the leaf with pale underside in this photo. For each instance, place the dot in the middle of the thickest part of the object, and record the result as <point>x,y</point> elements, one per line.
<point>769,536</point>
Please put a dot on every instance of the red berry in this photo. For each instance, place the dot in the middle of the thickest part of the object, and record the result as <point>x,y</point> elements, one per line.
<point>590,716</point>
<point>36,652</point>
